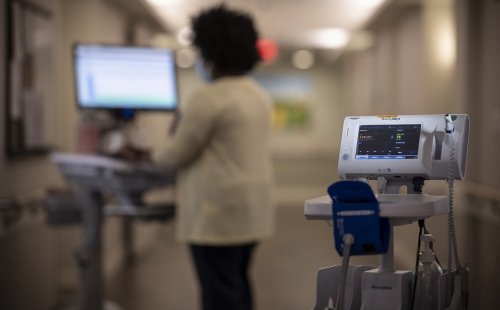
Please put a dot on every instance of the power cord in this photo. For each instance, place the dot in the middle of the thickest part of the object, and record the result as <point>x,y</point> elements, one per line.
<point>348,240</point>
<point>421,225</point>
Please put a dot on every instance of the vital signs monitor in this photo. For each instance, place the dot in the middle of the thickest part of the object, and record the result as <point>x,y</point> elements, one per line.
<point>403,146</point>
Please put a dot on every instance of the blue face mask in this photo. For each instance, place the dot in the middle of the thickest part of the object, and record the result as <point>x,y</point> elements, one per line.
<point>203,73</point>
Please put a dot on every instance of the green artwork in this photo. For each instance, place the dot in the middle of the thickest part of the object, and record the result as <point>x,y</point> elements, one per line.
<point>292,100</point>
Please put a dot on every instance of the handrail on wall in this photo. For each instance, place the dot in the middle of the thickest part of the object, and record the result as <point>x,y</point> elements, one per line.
<point>480,190</point>
<point>481,201</point>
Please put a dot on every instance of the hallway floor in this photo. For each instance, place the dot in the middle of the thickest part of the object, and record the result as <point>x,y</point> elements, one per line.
<point>283,272</point>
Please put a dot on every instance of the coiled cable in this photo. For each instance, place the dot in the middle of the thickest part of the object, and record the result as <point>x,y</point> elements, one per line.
<point>452,240</point>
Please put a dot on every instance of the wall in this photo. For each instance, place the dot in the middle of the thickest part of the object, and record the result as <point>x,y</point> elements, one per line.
<point>408,70</point>
<point>440,56</point>
<point>484,101</point>
<point>479,22</point>
<point>36,262</point>
<point>20,172</point>
<point>28,249</point>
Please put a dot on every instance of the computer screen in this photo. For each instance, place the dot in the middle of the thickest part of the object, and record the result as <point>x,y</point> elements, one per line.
<point>388,141</point>
<point>124,77</point>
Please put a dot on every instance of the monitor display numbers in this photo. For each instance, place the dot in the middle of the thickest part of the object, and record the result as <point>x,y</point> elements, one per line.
<point>388,141</point>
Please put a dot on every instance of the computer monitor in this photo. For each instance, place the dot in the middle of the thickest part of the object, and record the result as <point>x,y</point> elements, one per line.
<point>125,78</point>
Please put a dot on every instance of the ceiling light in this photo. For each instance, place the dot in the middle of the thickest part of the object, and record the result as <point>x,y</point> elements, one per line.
<point>445,44</point>
<point>330,38</point>
<point>163,2</point>
<point>370,3</point>
<point>303,59</point>
<point>185,36</point>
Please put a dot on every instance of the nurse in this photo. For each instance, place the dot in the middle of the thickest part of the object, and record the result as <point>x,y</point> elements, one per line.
<point>222,154</point>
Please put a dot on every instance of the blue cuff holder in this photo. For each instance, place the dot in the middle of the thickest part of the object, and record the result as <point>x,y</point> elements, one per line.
<point>355,211</point>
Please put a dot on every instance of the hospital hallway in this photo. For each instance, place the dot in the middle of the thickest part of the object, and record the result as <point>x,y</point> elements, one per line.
<point>285,266</point>
<point>389,92</point>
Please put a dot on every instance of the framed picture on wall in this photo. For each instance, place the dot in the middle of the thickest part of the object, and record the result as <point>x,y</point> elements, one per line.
<point>292,97</point>
<point>30,71</point>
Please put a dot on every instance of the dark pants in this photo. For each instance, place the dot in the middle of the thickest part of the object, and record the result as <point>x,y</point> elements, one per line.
<point>223,276</point>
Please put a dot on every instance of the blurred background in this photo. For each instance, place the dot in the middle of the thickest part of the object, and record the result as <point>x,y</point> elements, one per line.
<point>326,59</point>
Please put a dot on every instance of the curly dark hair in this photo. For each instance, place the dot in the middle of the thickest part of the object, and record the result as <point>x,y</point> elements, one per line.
<point>227,39</point>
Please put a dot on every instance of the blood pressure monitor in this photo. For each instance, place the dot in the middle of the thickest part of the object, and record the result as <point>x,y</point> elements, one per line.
<point>403,147</point>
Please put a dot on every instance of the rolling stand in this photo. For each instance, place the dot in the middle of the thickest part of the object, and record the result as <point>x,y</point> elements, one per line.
<point>382,287</point>
<point>92,177</point>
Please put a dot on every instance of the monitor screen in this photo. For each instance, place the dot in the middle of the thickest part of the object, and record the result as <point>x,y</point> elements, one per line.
<point>120,77</point>
<point>388,141</point>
